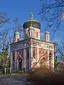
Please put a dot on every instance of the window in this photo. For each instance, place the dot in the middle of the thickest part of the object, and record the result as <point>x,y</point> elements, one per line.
<point>37,34</point>
<point>50,61</point>
<point>34,52</point>
<point>47,38</point>
<point>50,56</point>
<point>27,53</point>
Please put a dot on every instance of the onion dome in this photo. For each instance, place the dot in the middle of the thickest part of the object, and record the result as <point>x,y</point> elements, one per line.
<point>47,32</point>
<point>17,33</point>
<point>31,27</point>
<point>32,21</point>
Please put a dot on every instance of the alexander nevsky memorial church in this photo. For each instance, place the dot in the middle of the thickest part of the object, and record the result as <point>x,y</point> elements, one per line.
<point>31,52</point>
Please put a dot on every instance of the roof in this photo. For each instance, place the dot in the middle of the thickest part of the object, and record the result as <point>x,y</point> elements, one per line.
<point>31,27</point>
<point>47,32</point>
<point>32,38</point>
<point>32,21</point>
<point>17,33</point>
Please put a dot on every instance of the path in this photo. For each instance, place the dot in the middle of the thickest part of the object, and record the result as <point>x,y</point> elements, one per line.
<point>13,80</point>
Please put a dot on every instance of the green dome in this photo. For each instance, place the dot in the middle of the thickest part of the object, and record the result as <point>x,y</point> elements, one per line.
<point>47,32</point>
<point>32,21</point>
<point>17,33</point>
<point>31,27</point>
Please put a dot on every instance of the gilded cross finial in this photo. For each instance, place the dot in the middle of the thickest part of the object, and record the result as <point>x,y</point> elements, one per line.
<point>31,15</point>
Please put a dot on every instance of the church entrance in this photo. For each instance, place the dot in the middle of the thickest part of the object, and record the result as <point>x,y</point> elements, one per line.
<point>20,64</point>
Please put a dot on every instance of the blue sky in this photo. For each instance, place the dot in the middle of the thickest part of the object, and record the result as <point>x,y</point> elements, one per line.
<point>21,9</point>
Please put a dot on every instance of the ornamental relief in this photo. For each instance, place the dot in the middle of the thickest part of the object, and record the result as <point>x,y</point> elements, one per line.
<point>43,54</point>
<point>41,44</point>
<point>20,54</point>
<point>17,46</point>
<point>33,42</point>
<point>26,44</point>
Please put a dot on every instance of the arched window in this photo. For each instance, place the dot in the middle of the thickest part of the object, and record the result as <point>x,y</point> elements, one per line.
<point>27,52</point>
<point>34,52</point>
<point>37,34</point>
<point>50,56</point>
<point>47,38</point>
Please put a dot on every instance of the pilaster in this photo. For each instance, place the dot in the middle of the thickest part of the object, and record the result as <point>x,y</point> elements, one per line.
<point>38,57</point>
<point>30,57</point>
<point>11,59</point>
<point>15,60</point>
<point>24,59</point>
<point>30,54</point>
<point>53,59</point>
<point>48,60</point>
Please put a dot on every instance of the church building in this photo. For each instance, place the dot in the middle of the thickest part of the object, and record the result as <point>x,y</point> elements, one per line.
<point>31,52</point>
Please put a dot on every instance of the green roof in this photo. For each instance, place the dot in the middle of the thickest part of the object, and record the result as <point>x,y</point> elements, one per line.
<point>32,21</point>
<point>31,27</point>
<point>17,33</point>
<point>47,32</point>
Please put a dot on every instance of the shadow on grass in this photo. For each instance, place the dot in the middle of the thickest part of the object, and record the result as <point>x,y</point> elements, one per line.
<point>3,84</point>
<point>41,76</point>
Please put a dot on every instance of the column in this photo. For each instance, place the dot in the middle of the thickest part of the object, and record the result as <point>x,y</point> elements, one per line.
<point>17,64</point>
<point>48,60</point>
<point>24,59</point>
<point>53,59</point>
<point>38,57</point>
<point>15,60</point>
<point>30,57</point>
<point>11,60</point>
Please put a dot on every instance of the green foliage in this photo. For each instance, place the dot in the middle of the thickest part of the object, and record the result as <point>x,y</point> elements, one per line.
<point>56,61</point>
<point>2,55</point>
<point>60,67</point>
<point>18,71</point>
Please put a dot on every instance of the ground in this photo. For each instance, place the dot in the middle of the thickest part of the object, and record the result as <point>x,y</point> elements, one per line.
<point>13,80</point>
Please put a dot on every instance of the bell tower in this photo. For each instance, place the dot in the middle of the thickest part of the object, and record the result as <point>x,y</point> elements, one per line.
<point>16,36</point>
<point>47,36</point>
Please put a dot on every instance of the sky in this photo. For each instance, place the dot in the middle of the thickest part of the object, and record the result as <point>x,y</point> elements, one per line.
<point>21,9</point>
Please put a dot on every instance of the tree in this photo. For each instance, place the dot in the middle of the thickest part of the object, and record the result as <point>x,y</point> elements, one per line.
<point>3,37</point>
<point>59,51</point>
<point>3,33</point>
<point>53,13</point>
<point>17,27</point>
<point>3,18</point>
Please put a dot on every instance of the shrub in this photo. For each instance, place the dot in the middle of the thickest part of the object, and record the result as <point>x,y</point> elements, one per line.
<point>43,76</point>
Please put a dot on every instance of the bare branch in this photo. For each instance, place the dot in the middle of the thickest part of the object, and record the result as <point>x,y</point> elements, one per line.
<point>52,13</point>
<point>3,18</point>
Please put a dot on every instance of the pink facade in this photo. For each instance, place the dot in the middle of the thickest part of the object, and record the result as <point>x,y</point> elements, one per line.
<point>31,52</point>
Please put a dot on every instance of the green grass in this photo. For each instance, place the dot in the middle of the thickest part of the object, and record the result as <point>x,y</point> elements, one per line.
<point>19,72</point>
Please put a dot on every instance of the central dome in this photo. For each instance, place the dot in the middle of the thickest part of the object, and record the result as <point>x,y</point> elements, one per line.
<point>32,22</point>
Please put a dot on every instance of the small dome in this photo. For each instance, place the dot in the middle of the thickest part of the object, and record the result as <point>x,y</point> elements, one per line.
<point>47,32</point>
<point>32,21</point>
<point>17,33</point>
<point>31,28</point>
